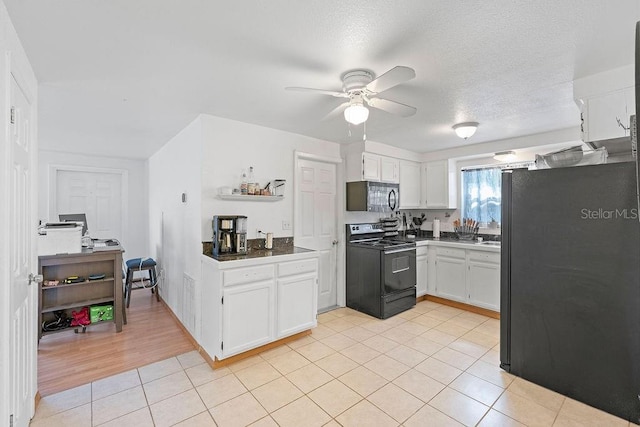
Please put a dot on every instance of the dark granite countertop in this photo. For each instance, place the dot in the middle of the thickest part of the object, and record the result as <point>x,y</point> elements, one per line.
<point>261,253</point>
<point>445,237</point>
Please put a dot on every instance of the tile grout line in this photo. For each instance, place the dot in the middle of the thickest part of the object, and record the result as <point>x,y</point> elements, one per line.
<point>357,342</point>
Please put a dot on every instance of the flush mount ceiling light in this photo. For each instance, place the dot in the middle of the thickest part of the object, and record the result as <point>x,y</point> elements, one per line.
<point>466,129</point>
<point>505,156</point>
<point>356,113</point>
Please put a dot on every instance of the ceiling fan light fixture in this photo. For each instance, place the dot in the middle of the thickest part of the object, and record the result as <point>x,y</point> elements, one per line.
<point>465,130</point>
<point>356,113</point>
<point>505,156</point>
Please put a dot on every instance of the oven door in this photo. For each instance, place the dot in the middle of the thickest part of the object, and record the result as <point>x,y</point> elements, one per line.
<point>398,269</point>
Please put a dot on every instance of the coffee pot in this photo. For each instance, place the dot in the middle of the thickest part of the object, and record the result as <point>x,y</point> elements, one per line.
<point>229,235</point>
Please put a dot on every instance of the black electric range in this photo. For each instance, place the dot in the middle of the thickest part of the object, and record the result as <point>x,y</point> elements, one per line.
<point>381,272</point>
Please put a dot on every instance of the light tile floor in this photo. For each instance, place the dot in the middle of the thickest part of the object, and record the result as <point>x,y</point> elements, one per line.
<point>433,365</point>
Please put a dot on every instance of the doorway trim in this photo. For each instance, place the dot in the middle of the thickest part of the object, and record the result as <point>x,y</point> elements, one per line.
<point>339,218</point>
<point>52,195</point>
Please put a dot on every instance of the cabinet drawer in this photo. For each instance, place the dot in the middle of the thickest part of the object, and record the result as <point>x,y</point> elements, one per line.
<point>297,267</point>
<point>450,252</point>
<point>421,250</point>
<point>484,256</point>
<point>247,275</point>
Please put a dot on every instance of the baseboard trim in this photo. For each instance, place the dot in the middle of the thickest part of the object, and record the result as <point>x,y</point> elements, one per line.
<point>180,325</point>
<point>37,400</point>
<point>461,306</point>
<point>214,362</point>
<point>229,360</point>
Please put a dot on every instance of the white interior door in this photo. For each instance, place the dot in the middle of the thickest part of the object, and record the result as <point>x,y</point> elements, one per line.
<point>22,258</point>
<point>96,194</point>
<point>315,222</point>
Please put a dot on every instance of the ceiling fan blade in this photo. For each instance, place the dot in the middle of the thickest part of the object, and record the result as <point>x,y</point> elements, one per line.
<point>319,91</point>
<point>336,111</point>
<point>391,78</point>
<point>392,107</point>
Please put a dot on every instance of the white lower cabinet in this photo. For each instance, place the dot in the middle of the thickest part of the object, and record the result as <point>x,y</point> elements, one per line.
<point>296,304</point>
<point>451,274</point>
<point>470,276</point>
<point>247,316</point>
<point>247,305</point>
<point>483,280</point>
<point>422,270</point>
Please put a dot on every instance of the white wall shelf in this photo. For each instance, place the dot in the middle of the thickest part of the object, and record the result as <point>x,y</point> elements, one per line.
<point>252,198</point>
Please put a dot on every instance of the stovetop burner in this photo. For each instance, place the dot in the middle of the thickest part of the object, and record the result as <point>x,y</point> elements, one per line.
<point>372,235</point>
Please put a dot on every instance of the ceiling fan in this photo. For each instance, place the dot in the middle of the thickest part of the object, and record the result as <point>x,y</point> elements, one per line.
<point>362,91</point>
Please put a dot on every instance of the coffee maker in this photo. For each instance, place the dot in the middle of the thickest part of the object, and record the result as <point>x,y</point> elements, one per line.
<point>229,235</point>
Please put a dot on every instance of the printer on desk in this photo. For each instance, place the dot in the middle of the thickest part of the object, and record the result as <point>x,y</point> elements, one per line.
<point>60,238</point>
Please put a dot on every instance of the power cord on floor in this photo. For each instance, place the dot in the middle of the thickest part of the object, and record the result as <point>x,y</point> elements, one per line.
<point>157,276</point>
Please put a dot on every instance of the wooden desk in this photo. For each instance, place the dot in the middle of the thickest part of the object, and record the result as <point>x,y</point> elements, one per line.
<point>74,296</point>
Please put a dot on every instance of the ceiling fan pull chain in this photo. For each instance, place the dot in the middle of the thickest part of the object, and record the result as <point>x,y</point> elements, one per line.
<point>364,132</point>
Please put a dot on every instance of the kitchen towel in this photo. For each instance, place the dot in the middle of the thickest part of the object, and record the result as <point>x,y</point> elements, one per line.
<point>436,228</point>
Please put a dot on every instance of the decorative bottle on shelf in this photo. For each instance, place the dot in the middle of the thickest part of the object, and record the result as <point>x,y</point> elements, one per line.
<point>251,186</point>
<point>243,184</point>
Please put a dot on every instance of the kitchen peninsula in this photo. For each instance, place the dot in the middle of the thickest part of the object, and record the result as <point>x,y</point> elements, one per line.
<point>257,299</point>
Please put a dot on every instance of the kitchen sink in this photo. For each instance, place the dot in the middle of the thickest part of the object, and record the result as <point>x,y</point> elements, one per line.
<point>491,243</point>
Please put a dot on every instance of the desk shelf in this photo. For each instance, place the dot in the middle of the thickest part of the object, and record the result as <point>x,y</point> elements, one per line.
<point>73,296</point>
<point>65,285</point>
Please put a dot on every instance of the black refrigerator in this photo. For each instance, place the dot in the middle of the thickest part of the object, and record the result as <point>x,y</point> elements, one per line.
<point>570,283</point>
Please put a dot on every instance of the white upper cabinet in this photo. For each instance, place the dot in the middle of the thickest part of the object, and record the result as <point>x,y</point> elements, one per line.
<point>370,167</point>
<point>389,169</point>
<point>364,166</point>
<point>410,185</point>
<point>439,184</point>
<point>603,99</point>
<point>607,116</point>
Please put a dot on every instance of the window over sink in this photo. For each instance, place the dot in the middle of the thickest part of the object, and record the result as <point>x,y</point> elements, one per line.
<point>481,195</point>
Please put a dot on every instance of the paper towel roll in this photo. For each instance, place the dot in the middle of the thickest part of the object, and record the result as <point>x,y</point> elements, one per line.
<point>436,228</point>
<point>269,242</point>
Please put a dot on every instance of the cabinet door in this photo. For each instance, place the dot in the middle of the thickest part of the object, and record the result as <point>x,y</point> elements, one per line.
<point>370,167</point>
<point>296,304</point>
<point>422,268</point>
<point>247,319</point>
<point>450,278</point>
<point>409,185</point>
<point>484,285</point>
<point>602,115</point>
<point>389,170</point>
<point>440,189</point>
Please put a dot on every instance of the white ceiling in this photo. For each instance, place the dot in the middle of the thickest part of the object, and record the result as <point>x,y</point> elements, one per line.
<point>122,77</point>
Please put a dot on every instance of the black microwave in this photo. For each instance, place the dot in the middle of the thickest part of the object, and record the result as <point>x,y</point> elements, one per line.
<point>369,196</point>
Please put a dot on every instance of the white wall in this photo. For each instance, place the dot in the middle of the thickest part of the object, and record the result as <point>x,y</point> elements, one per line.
<point>174,226</point>
<point>209,153</point>
<point>230,147</point>
<point>135,242</point>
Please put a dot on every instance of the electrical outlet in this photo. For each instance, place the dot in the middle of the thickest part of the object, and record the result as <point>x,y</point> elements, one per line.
<point>286,225</point>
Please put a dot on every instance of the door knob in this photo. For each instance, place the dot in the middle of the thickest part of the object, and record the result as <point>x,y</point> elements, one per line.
<point>37,278</point>
<point>335,242</point>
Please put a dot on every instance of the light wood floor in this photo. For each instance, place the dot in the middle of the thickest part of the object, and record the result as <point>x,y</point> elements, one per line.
<point>67,360</point>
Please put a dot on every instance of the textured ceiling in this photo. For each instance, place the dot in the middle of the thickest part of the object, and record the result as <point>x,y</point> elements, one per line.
<point>122,77</point>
